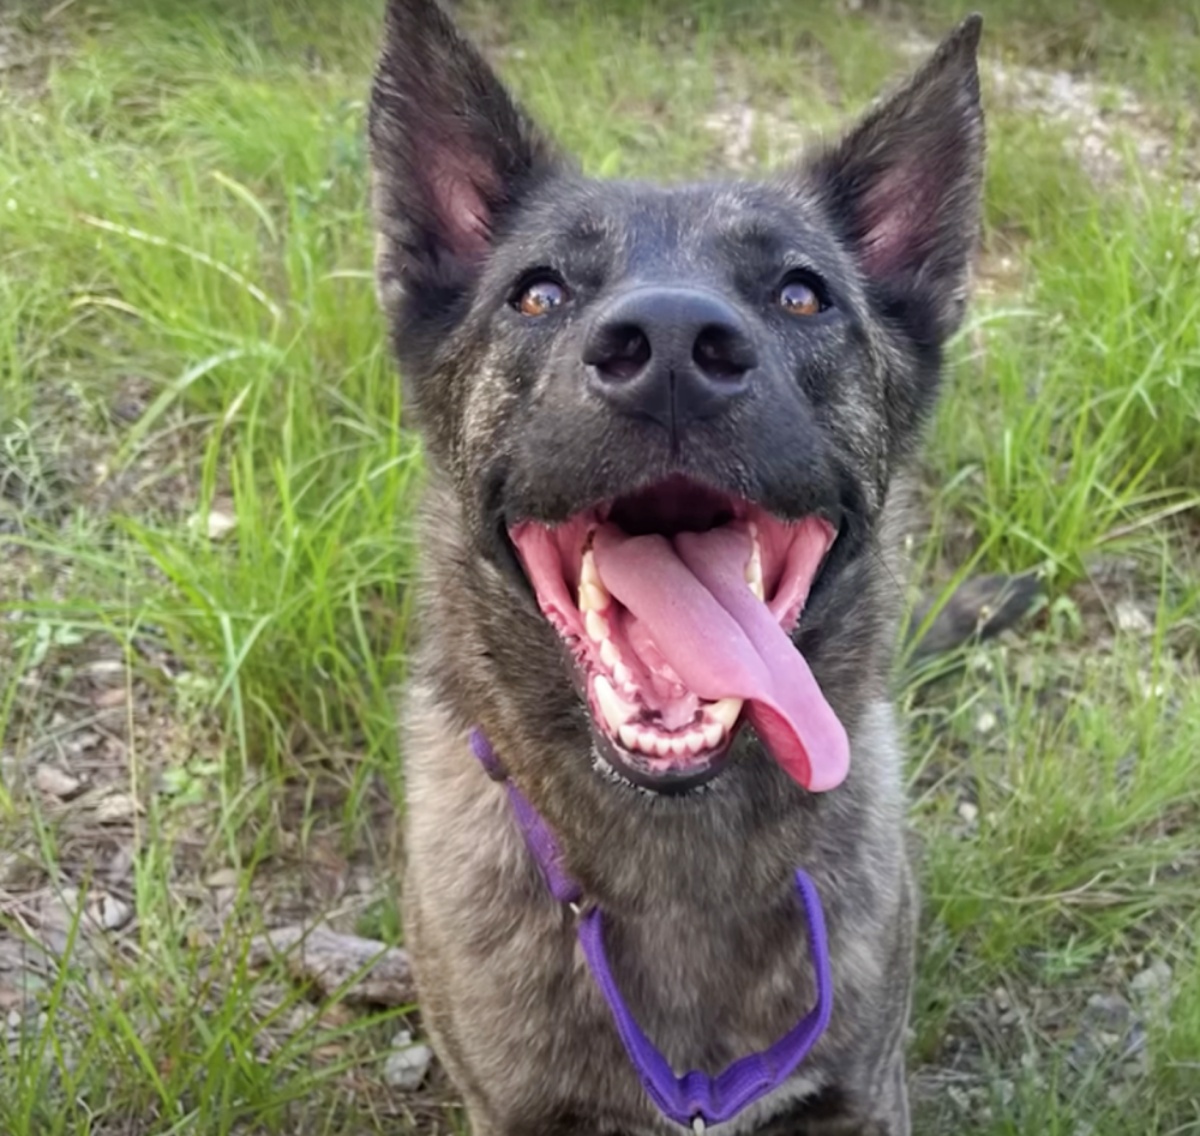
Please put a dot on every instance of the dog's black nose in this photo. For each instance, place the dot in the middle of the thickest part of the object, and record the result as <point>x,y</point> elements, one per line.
<point>673,355</point>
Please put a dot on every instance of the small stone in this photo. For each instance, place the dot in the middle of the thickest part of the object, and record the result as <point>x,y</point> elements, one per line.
<point>223,878</point>
<point>219,524</point>
<point>55,782</point>
<point>986,722</point>
<point>116,808</point>
<point>1154,977</point>
<point>114,913</point>
<point>59,912</point>
<point>968,812</point>
<point>107,672</point>
<point>407,1064</point>
<point>1152,987</point>
<point>1108,1014</point>
<point>1131,619</point>
<point>109,697</point>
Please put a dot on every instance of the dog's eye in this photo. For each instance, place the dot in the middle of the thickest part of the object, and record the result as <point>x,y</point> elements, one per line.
<point>540,297</point>
<point>798,297</point>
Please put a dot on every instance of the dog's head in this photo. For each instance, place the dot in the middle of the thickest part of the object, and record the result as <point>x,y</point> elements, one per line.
<point>671,414</point>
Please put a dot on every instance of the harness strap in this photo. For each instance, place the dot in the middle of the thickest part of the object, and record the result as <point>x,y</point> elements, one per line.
<point>695,1099</point>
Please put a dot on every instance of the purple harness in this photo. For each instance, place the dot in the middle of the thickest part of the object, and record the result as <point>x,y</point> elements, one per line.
<point>695,1099</point>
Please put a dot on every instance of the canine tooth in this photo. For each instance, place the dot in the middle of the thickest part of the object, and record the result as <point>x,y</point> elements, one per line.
<point>679,745</point>
<point>620,671</point>
<point>725,711</point>
<point>662,747</point>
<point>754,571</point>
<point>608,655</point>
<point>612,705</point>
<point>588,572</point>
<point>629,736</point>
<point>597,626</point>
<point>694,743</point>
<point>593,595</point>
<point>712,735</point>
<point>592,598</point>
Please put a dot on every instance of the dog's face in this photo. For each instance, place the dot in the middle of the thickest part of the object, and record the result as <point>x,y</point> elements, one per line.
<point>671,414</point>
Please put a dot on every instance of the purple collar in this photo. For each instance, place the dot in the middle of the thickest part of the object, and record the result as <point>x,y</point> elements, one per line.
<point>694,1100</point>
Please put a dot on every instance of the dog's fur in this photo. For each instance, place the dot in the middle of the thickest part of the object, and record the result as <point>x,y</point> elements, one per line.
<point>704,934</point>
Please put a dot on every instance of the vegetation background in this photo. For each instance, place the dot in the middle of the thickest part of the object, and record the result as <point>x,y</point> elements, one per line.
<point>205,552</point>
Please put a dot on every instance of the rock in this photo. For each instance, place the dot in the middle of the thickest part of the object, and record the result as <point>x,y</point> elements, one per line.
<point>217,523</point>
<point>1131,619</point>
<point>110,697</point>
<point>407,1064</point>
<point>107,672</point>
<point>362,971</point>
<point>223,878</point>
<point>1109,1013</point>
<point>115,808</point>
<point>114,913</point>
<point>1151,988</point>
<point>220,524</point>
<point>55,782</point>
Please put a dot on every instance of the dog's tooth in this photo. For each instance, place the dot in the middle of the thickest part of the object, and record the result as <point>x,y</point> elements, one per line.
<point>647,742</point>
<point>754,570</point>
<point>614,708</point>
<point>679,745</point>
<point>711,736</point>
<point>592,598</point>
<point>609,657</point>
<point>629,736</point>
<point>588,572</point>
<point>725,711</point>
<point>597,626</point>
<point>620,671</point>
<point>593,595</point>
<point>662,747</point>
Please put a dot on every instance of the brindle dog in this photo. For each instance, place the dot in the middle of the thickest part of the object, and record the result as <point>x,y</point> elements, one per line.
<point>666,430</point>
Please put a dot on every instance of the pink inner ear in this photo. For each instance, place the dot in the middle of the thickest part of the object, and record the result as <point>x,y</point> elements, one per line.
<point>459,185</point>
<point>898,214</point>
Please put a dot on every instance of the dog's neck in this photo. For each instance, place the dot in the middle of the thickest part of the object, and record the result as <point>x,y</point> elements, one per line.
<point>695,1099</point>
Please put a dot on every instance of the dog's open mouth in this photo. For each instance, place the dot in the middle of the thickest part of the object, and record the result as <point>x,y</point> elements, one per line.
<point>676,603</point>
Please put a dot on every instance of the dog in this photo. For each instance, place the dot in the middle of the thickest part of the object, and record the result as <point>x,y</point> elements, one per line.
<point>655,872</point>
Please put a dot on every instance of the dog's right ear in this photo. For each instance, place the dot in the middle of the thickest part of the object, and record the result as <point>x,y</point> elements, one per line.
<point>450,152</point>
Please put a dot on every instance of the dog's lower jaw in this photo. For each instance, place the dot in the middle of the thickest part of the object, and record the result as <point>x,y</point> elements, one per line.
<point>507,1002</point>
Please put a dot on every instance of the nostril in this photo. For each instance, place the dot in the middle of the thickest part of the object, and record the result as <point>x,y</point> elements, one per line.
<point>619,352</point>
<point>723,352</point>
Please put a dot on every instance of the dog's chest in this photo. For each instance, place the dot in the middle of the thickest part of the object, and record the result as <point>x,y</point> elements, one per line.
<point>495,951</point>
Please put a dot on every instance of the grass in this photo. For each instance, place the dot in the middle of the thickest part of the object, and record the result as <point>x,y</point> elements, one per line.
<point>204,493</point>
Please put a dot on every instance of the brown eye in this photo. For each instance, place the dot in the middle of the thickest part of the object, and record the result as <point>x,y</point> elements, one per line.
<point>799,299</point>
<point>540,297</point>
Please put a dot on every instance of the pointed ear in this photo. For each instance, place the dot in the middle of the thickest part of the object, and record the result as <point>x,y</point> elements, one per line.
<point>904,188</point>
<point>450,152</point>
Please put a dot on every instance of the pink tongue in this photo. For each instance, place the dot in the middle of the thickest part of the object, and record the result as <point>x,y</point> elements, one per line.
<point>723,642</point>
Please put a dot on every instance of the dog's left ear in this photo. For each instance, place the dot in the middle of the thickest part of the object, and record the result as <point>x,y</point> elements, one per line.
<point>450,152</point>
<point>904,189</point>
